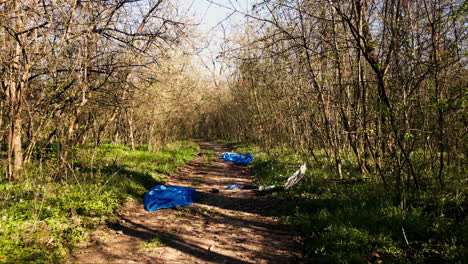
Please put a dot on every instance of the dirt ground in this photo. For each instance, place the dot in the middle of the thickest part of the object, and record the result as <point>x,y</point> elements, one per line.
<point>222,227</point>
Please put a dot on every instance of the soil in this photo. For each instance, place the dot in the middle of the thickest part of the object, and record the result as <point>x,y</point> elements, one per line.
<point>223,226</point>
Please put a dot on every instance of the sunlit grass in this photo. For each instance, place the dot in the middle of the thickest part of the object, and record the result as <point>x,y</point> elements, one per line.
<point>43,216</point>
<point>363,221</point>
<point>160,240</point>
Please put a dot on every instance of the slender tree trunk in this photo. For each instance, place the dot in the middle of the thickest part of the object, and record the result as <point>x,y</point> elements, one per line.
<point>14,95</point>
<point>131,133</point>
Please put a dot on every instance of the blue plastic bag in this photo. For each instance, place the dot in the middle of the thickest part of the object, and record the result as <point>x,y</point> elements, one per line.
<point>160,197</point>
<point>238,158</point>
<point>234,186</point>
<point>242,186</point>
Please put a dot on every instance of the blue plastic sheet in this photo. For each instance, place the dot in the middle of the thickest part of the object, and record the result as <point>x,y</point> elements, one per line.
<point>161,196</point>
<point>238,158</point>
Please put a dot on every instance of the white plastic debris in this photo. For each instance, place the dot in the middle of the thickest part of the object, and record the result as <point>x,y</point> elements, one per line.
<point>293,180</point>
<point>266,188</point>
<point>296,177</point>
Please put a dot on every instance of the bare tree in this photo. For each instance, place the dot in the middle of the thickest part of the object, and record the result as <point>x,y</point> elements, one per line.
<point>61,55</point>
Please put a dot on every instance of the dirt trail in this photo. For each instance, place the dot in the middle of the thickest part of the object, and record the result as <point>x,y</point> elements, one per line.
<point>224,227</point>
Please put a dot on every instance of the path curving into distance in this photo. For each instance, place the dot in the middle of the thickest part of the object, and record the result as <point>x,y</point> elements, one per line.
<point>225,227</point>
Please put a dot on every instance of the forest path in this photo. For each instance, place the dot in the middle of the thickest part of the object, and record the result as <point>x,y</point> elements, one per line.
<point>224,227</point>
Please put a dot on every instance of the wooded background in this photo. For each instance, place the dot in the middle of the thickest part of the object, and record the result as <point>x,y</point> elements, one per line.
<point>381,83</point>
<point>75,72</point>
<point>371,94</point>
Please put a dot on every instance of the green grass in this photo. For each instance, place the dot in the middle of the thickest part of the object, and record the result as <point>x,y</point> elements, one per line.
<point>209,157</point>
<point>196,182</point>
<point>160,240</point>
<point>44,215</point>
<point>362,221</point>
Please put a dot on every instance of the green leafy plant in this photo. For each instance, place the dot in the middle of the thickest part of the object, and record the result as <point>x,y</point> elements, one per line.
<point>359,220</point>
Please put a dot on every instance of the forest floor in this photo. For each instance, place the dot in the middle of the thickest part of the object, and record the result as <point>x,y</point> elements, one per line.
<point>221,227</point>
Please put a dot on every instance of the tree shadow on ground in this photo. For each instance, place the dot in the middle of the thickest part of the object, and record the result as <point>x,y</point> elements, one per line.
<point>143,232</point>
<point>245,221</point>
<point>248,205</point>
<point>119,174</point>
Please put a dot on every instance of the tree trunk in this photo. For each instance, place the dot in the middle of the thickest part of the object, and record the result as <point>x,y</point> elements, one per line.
<point>14,94</point>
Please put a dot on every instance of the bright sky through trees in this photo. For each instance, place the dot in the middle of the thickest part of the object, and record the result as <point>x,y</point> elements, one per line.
<point>217,20</point>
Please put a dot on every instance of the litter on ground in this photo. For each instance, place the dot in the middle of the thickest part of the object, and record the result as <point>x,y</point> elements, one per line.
<point>296,177</point>
<point>238,158</point>
<point>242,186</point>
<point>161,196</point>
<point>293,180</point>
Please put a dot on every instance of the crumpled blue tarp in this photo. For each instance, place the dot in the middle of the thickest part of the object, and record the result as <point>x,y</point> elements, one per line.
<point>160,197</point>
<point>238,158</point>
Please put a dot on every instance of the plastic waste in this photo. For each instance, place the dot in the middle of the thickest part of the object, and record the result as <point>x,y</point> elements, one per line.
<point>293,180</point>
<point>296,177</point>
<point>266,188</point>
<point>238,158</point>
<point>242,186</point>
<point>234,186</point>
<point>161,196</point>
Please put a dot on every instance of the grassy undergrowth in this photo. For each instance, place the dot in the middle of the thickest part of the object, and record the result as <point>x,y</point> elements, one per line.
<point>361,221</point>
<point>44,215</point>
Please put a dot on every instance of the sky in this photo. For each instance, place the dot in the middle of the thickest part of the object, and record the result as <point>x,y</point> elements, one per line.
<point>217,19</point>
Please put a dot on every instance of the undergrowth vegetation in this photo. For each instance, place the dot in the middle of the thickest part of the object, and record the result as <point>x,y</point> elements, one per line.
<point>359,220</point>
<point>42,217</point>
